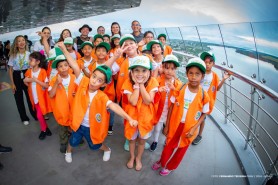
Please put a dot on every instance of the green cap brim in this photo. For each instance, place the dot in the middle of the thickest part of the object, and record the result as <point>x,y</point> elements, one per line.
<point>201,67</point>
<point>105,45</point>
<point>151,43</point>
<point>108,73</point>
<point>54,63</point>
<point>204,54</point>
<point>127,38</point>
<point>84,44</point>
<point>172,61</point>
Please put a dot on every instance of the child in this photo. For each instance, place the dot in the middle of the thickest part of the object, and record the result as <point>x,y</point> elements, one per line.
<point>18,63</point>
<point>148,36</point>
<point>156,49</point>
<point>84,62</point>
<point>139,98</point>
<point>61,92</point>
<point>37,81</point>
<point>186,113</point>
<point>101,53</point>
<point>88,121</point>
<point>130,48</point>
<point>106,38</point>
<point>167,49</point>
<point>53,53</point>
<point>69,45</point>
<point>97,39</point>
<point>211,85</point>
<point>167,84</point>
<point>115,44</point>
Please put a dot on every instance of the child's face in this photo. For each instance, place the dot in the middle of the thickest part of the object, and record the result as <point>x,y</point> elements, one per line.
<point>169,69</point>
<point>97,80</point>
<point>69,47</point>
<point>101,53</point>
<point>132,47</point>
<point>116,41</point>
<point>33,62</point>
<point>21,43</point>
<point>194,76</point>
<point>148,38</point>
<point>140,74</point>
<point>162,40</point>
<point>87,50</point>
<point>66,34</point>
<point>156,49</point>
<point>97,41</point>
<point>209,64</point>
<point>63,68</point>
<point>106,39</point>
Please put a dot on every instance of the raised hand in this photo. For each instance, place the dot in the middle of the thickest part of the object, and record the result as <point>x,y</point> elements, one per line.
<point>227,75</point>
<point>133,122</point>
<point>118,53</point>
<point>59,79</point>
<point>61,45</point>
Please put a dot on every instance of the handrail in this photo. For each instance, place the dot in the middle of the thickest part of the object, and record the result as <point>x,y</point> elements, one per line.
<point>271,93</point>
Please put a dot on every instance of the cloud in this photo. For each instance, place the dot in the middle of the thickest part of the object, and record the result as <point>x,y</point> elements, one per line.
<point>261,42</point>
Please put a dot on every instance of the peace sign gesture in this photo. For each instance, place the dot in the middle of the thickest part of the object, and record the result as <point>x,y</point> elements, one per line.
<point>120,51</point>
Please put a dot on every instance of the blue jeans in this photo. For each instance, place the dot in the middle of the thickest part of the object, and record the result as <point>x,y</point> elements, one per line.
<point>77,136</point>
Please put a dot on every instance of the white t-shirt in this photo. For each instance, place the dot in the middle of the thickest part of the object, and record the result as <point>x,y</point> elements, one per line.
<point>73,55</point>
<point>164,114</point>
<point>85,121</point>
<point>65,83</point>
<point>205,83</point>
<point>188,98</point>
<point>156,65</point>
<point>38,47</point>
<point>34,84</point>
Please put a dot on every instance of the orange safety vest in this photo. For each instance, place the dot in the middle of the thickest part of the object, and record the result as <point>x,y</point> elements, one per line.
<point>167,50</point>
<point>122,76</point>
<point>44,100</point>
<point>109,89</point>
<point>61,103</point>
<point>143,113</point>
<point>193,114</point>
<point>80,62</point>
<point>212,91</point>
<point>161,81</point>
<point>98,114</point>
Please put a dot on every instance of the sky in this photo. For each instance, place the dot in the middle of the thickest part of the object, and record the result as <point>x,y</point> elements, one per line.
<point>171,13</point>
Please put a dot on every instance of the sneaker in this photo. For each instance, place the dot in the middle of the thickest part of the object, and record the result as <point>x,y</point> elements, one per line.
<point>25,122</point>
<point>156,165</point>
<point>48,132</point>
<point>165,172</point>
<point>197,140</point>
<point>68,157</point>
<point>126,146</point>
<point>106,155</point>
<point>42,135</point>
<point>110,131</point>
<point>147,146</point>
<point>5,149</point>
<point>153,146</point>
<point>63,148</point>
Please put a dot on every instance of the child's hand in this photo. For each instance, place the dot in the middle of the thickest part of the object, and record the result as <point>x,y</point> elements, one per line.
<point>34,79</point>
<point>133,122</point>
<point>227,75</point>
<point>170,85</point>
<point>142,43</point>
<point>133,79</point>
<point>27,79</point>
<point>190,133</point>
<point>162,89</point>
<point>59,80</point>
<point>118,53</point>
<point>61,45</point>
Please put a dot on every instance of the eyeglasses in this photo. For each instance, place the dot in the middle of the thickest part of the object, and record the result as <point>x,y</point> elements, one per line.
<point>136,25</point>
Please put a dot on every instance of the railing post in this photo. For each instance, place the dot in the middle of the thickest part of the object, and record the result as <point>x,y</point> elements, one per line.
<point>253,90</point>
<point>182,40</point>
<point>199,38</point>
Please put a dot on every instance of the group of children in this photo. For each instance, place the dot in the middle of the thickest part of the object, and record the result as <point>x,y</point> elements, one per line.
<point>84,93</point>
